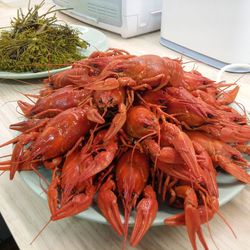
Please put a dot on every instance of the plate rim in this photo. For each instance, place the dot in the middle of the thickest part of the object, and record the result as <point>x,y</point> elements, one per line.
<point>236,187</point>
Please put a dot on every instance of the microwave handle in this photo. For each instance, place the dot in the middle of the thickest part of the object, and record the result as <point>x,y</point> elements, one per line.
<point>156,12</point>
<point>93,19</point>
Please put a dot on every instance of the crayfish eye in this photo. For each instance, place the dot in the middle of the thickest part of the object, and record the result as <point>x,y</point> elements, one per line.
<point>111,99</point>
<point>101,150</point>
<point>94,154</point>
<point>234,157</point>
<point>118,70</point>
<point>210,115</point>
<point>161,101</point>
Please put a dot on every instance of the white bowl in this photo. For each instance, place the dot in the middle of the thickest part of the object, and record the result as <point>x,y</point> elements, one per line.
<point>96,39</point>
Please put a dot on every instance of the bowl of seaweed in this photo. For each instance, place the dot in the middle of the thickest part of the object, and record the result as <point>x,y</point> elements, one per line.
<point>36,42</point>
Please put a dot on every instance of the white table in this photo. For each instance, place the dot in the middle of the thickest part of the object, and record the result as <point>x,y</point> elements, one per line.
<point>25,213</point>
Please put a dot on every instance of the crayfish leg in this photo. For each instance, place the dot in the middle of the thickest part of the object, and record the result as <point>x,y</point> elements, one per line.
<point>184,146</point>
<point>159,80</point>
<point>49,113</point>
<point>15,159</point>
<point>176,220</point>
<point>4,168</point>
<point>53,191</point>
<point>108,84</point>
<point>243,148</point>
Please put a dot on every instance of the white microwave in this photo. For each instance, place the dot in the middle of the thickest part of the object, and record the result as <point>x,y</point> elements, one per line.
<point>215,32</point>
<point>125,17</point>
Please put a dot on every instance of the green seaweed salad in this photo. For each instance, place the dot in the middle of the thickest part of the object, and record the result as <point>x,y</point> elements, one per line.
<point>37,43</point>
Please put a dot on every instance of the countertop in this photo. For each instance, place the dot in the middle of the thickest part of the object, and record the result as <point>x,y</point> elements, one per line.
<point>26,213</point>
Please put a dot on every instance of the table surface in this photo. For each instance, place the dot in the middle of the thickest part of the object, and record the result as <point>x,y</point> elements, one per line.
<point>25,213</point>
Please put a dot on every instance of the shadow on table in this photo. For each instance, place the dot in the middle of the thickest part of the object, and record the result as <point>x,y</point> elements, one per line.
<point>6,240</point>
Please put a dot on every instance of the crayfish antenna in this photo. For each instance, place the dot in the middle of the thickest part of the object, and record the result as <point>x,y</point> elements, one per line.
<point>6,167</point>
<point>12,141</point>
<point>40,175</point>
<point>4,164</point>
<point>225,221</point>
<point>4,156</point>
<point>4,171</point>
<point>30,96</point>
<point>39,233</point>
<point>207,220</point>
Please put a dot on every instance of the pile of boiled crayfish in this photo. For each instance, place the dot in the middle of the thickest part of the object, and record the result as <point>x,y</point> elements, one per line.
<point>129,131</point>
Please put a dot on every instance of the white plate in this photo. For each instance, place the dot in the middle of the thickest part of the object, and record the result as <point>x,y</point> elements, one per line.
<point>96,39</point>
<point>227,190</point>
<point>229,187</point>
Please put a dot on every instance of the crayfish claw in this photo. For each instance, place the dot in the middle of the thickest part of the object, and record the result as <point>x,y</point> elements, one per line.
<point>76,205</point>
<point>192,217</point>
<point>107,203</point>
<point>117,123</point>
<point>233,169</point>
<point>25,107</point>
<point>228,97</point>
<point>94,116</point>
<point>145,215</point>
<point>243,148</point>
<point>193,225</point>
